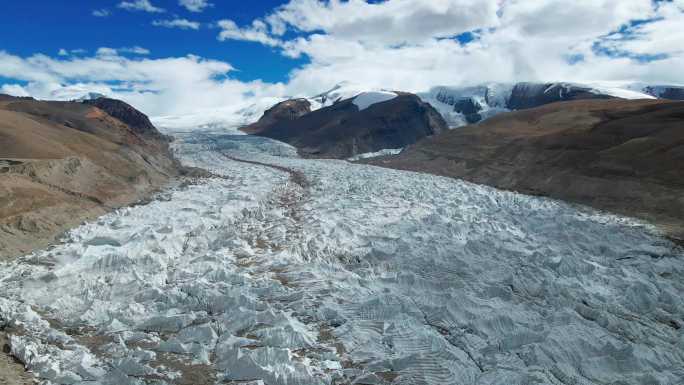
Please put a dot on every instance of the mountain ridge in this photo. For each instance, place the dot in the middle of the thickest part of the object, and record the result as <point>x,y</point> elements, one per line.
<point>62,162</point>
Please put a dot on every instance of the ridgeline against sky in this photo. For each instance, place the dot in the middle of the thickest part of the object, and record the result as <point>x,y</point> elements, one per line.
<point>184,56</point>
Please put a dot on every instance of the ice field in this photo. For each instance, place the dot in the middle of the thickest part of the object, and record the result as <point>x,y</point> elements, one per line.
<point>282,270</point>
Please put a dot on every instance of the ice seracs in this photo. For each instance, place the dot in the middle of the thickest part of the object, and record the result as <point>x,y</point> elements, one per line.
<point>287,271</point>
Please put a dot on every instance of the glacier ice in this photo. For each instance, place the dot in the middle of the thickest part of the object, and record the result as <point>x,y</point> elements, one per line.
<point>322,272</point>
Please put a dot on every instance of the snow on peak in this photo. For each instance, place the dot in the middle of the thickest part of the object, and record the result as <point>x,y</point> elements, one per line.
<point>90,96</point>
<point>341,91</point>
<point>347,90</point>
<point>619,92</point>
<point>367,99</point>
<point>383,152</point>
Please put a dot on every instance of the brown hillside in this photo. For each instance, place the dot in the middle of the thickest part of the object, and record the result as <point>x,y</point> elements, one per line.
<point>63,162</point>
<point>619,155</point>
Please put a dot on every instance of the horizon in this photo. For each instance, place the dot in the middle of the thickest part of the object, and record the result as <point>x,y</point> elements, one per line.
<point>179,57</point>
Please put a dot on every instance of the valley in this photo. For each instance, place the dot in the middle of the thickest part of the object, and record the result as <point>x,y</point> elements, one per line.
<point>283,270</point>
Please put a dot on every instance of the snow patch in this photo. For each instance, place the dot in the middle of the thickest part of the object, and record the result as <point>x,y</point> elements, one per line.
<point>383,152</point>
<point>367,99</point>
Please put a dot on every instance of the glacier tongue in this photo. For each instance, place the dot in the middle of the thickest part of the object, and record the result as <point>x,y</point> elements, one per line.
<point>289,271</point>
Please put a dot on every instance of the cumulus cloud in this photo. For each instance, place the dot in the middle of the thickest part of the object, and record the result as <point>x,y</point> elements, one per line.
<point>257,32</point>
<point>414,44</point>
<point>14,90</point>
<point>662,36</point>
<point>140,5</point>
<point>101,12</point>
<point>171,86</point>
<point>195,5</point>
<point>106,51</point>
<point>387,23</point>
<point>177,23</point>
<point>408,45</point>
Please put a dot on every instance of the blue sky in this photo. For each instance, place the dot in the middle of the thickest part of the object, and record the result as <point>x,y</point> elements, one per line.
<point>28,27</point>
<point>235,55</point>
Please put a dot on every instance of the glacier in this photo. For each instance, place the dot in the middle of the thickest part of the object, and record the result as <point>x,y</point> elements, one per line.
<point>281,270</point>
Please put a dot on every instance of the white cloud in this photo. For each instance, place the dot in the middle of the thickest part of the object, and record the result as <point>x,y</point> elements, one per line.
<point>136,50</point>
<point>663,36</point>
<point>171,86</point>
<point>101,12</point>
<point>195,5</point>
<point>400,44</point>
<point>67,52</point>
<point>391,22</point>
<point>257,32</point>
<point>410,45</point>
<point>140,5</point>
<point>14,90</point>
<point>177,23</point>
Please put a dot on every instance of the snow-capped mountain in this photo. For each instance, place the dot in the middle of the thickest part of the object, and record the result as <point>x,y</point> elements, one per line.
<point>670,92</point>
<point>467,105</point>
<point>352,124</point>
<point>364,97</point>
<point>340,91</point>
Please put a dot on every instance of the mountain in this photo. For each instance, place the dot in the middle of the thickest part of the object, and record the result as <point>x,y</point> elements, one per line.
<point>665,92</point>
<point>366,122</point>
<point>625,156</point>
<point>122,111</point>
<point>287,110</point>
<point>468,105</point>
<point>63,162</point>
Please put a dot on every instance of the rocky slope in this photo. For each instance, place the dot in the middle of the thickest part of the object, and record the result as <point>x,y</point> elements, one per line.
<point>365,123</point>
<point>619,155</point>
<point>63,162</point>
<point>287,110</point>
<point>665,92</point>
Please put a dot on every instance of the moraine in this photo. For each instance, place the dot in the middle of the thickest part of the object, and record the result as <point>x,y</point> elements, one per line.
<point>282,270</point>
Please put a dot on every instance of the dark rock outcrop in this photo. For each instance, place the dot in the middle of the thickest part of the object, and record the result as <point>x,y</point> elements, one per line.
<point>341,130</point>
<point>625,156</point>
<point>666,92</point>
<point>530,95</point>
<point>135,119</point>
<point>284,111</point>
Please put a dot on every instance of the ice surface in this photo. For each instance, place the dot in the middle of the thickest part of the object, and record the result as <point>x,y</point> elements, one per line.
<point>383,152</point>
<point>323,271</point>
<point>367,99</point>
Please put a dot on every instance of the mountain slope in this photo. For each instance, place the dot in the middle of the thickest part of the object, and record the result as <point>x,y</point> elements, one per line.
<point>284,111</point>
<point>365,123</point>
<point>62,162</point>
<point>620,155</point>
<point>467,105</point>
